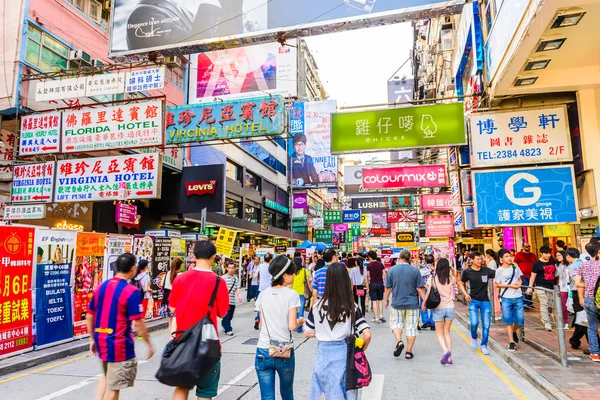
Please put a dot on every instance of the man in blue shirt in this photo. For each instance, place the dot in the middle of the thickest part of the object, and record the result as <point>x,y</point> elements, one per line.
<point>318,286</point>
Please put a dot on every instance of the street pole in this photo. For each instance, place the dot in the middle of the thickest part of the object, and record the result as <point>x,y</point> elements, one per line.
<point>560,327</point>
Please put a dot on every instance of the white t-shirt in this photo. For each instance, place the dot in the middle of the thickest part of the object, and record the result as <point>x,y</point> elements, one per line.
<point>492,265</point>
<point>503,277</point>
<point>167,280</point>
<point>264,277</point>
<point>275,304</point>
<point>327,331</point>
<point>356,277</point>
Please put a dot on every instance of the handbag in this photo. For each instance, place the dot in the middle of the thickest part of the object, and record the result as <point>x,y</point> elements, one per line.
<point>358,370</point>
<point>278,349</point>
<point>188,358</point>
<point>360,292</point>
<point>433,299</point>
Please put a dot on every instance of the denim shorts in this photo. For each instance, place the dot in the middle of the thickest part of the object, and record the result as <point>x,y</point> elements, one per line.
<point>513,311</point>
<point>376,291</point>
<point>443,314</point>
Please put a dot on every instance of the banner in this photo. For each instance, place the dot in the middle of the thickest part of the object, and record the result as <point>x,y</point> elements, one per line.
<point>401,216</point>
<point>398,128</point>
<point>190,258</point>
<point>438,202</point>
<point>115,246</point>
<point>33,182</point>
<point>311,164</point>
<point>225,241</point>
<point>405,177</point>
<point>134,176</point>
<point>439,226</point>
<point>40,134</point>
<point>88,275</point>
<point>114,127</point>
<point>231,119</point>
<point>332,216</point>
<point>16,264</point>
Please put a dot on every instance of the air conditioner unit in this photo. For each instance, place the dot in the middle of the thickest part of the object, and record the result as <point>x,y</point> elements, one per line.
<point>80,55</point>
<point>173,61</point>
<point>98,63</point>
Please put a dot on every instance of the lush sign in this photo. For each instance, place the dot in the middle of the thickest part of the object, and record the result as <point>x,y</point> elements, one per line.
<point>398,128</point>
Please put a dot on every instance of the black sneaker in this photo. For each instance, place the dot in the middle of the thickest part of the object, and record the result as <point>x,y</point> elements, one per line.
<point>418,327</point>
<point>425,325</point>
<point>398,349</point>
<point>515,337</point>
<point>256,325</point>
<point>382,320</point>
<point>512,346</point>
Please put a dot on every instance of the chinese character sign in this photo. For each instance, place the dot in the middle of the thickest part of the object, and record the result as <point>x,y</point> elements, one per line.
<point>33,182</point>
<point>145,79</point>
<point>135,176</point>
<point>401,202</point>
<point>398,128</point>
<point>525,197</point>
<point>6,154</point>
<point>62,88</point>
<point>40,134</point>
<point>437,202</point>
<point>115,127</point>
<point>439,226</point>
<point>247,117</point>
<point>172,156</point>
<point>30,211</point>
<point>405,177</point>
<point>520,137</point>
<point>323,235</point>
<point>332,216</point>
<point>351,216</point>
<point>16,264</point>
<point>105,84</point>
<point>225,241</point>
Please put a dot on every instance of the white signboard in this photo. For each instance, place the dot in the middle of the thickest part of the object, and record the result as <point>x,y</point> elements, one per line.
<point>30,211</point>
<point>115,127</point>
<point>520,137</point>
<point>105,84</point>
<point>6,154</point>
<point>114,246</point>
<point>97,179</point>
<point>318,223</point>
<point>40,134</point>
<point>145,79</point>
<point>172,156</point>
<point>62,88</point>
<point>33,183</point>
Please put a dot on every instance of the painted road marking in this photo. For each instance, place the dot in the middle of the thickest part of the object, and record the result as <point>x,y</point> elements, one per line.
<point>491,365</point>
<point>71,388</point>
<point>375,390</point>
<point>235,380</point>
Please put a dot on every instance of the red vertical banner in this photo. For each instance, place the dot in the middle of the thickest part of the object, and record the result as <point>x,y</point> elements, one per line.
<point>16,265</point>
<point>386,257</point>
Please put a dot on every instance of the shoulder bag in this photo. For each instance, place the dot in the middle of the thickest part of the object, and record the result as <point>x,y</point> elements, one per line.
<point>501,295</point>
<point>358,370</point>
<point>188,358</point>
<point>434,299</point>
<point>278,349</point>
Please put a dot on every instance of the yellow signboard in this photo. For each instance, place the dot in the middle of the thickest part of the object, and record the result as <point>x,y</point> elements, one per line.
<point>225,241</point>
<point>366,220</point>
<point>405,244</point>
<point>557,230</point>
<point>476,241</point>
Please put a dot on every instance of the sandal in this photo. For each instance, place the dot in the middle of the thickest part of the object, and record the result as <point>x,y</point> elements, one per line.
<point>409,355</point>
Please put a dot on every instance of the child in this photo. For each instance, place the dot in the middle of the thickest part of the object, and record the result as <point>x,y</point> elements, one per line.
<point>508,281</point>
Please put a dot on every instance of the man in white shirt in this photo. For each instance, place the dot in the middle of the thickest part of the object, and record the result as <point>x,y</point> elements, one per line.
<point>264,281</point>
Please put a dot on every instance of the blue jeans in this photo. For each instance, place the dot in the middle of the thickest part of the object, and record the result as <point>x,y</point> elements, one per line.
<point>301,310</point>
<point>592,316</point>
<point>426,316</point>
<point>266,366</point>
<point>226,322</point>
<point>528,303</point>
<point>475,306</point>
<point>252,291</point>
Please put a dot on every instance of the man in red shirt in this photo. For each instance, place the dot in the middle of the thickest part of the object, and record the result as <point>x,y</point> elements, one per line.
<point>189,300</point>
<point>524,260</point>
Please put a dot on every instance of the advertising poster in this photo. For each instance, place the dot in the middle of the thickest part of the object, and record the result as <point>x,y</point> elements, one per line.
<point>310,160</point>
<point>386,257</point>
<point>143,249</point>
<point>159,269</point>
<point>53,309</point>
<point>88,275</point>
<point>190,259</point>
<point>225,241</point>
<point>115,246</point>
<point>33,182</point>
<point>244,71</point>
<point>16,265</point>
<point>439,226</point>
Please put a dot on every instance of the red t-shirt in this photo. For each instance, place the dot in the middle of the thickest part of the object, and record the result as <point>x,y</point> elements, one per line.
<point>191,294</point>
<point>525,262</point>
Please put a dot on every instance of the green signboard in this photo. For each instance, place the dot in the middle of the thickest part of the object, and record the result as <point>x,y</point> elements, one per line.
<point>355,230</point>
<point>398,128</point>
<point>332,216</point>
<point>276,206</point>
<point>323,235</point>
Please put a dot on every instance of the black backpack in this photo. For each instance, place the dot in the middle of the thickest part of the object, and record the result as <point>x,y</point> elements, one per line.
<point>138,284</point>
<point>187,359</point>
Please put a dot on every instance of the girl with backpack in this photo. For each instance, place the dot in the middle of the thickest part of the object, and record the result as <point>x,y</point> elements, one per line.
<point>333,318</point>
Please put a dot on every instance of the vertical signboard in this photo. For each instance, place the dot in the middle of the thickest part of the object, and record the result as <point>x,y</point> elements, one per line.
<point>160,267</point>
<point>115,246</point>
<point>33,182</point>
<point>88,275</point>
<point>16,264</point>
<point>6,155</point>
<point>225,241</point>
<point>40,134</point>
<point>144,249</point>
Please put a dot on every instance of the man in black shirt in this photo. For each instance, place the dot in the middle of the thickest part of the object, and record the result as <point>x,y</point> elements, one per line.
<point>543,275</point>
<point>478,277</point>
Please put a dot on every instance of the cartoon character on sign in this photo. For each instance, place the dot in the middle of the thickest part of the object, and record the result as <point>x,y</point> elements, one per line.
<point>12,244</point>
<point>428,126</point>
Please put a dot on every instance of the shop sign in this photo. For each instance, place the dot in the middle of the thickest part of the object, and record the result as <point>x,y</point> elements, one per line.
<point>351,216</point>
<point>7,155</point>
<point>172,156</point>
<point>337,228</point>
<point>332,216</point>
<point>225,241</point>
<point>60,89</point>
<point>300,200</point>
<point>370,205</point>
<point>437,202</point>
<point>40,134</point>
<point>439,226</point>
<point>401,216</point>
<point>105,84</point>
<point>171,233</point>
<point>405,177</point>
<point>29,211</point>
<point>466,187</point>
<point>201,188</point>
<point>398,128</point>
<point>16,256</point>
<point>355,230</point>
<point>323,235</point>
<point>33,182</point>
<point>319,223</point>
<point>232,119</point>
<point>520,137</point>
<point>366,220</point>
<point>557,230</point>
<point>405,237</point>
<point>115,246</point>
<point>145,79</point>
<point>276,206</point>
<point>115,127</point>
<point>97,179</point>
<point>380,232</point>
<point>125,214</point>
<point>401,202</point>
<point>88,274</point>
<point>525,196</point>
<point>280,249</point>
<point>471,241</point>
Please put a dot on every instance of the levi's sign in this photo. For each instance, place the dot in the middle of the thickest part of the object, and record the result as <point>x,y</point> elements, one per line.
<point>405,177</point>
<point>201,188</point>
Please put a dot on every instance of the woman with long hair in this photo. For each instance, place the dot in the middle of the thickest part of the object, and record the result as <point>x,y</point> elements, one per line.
<point>444,313</point>
<point>320,264</point>
<point>358,275</point>
<point>167,286</point>
<point>330,321</point>
<point>491,258</point>
<point>564,282</point>
<point>301,284</point>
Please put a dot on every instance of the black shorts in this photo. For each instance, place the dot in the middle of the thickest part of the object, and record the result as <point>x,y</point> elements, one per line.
<point>376,291</point>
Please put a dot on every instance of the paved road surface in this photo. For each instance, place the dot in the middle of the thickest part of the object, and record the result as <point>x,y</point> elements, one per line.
<point>74,378</point>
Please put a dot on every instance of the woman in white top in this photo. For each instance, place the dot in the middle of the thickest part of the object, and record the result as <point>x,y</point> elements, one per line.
<point>564,282</point>
<point>278,306</point>
<point>167,285</point>
<point>491,258</point>
<point>358,275</point>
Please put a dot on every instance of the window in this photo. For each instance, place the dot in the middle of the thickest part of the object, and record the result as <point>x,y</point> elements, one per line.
<point>44,51</point>
<point>268,218</point>
<point>282,221</point>
<point>251,214</point>
<point>96,10</point>
<point>232,171</point>
<point>233,208</point>
<point>175,76</point>
<point>252,181</point>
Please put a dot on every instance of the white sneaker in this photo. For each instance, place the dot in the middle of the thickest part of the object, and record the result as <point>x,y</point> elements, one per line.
<point>548,327</point>
<point>374,320</point>
<point>566,326</point>
<point>230,333</point>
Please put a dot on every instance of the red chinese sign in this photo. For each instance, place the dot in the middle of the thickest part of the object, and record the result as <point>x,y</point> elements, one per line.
<point>125,214</point>
<point>16,264</point>
<point>401,216</point>
<point>40,134</point>
<point>6,154</point>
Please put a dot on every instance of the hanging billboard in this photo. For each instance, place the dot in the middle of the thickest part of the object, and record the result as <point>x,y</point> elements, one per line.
<point>139,26</point>
<point>310,161</point>
<point>405,177</point>
<point>353,183</point>
<point>244,71</point>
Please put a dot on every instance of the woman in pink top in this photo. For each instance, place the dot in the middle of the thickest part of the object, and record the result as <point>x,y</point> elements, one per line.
<point>443,315</point>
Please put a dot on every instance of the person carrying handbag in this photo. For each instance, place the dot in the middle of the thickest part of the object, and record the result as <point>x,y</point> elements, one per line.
<point>301,285</point>
<point>278,307</point>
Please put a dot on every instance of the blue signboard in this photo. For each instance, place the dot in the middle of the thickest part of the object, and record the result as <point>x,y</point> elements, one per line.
<point>351,216</point>
<point>54,317</point>
<point>525,196</point>
<point>469,213</point>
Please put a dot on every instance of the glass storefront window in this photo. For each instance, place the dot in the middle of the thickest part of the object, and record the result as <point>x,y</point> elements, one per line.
<point>282,221</point>
<point>232,171</point>
<point>233,208</point>
<point>252,181</point>
<point>251,214</point>
<point>268,218</point>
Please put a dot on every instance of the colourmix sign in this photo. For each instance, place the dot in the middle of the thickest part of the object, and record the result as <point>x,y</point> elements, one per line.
<point>405,177</point>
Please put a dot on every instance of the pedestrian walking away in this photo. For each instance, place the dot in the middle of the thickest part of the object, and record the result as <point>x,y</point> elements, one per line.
<point>406,285</point>
<point>480,308</point>
<point>112,308</point>
<point>263,277</point>
<point>508,281</point>
<point>190,300</point>
<point>318,286</point>
<point>426,270</point>
<point>278,306</point>
<point>375,277</point>
<point>543,275</point>
<point>358,276</point>
<point>586,282</point>
<point>301,284</point>
<point>167,285</point>
<point>330,321</point>
<point>524,260</point>
<point>233,288</point>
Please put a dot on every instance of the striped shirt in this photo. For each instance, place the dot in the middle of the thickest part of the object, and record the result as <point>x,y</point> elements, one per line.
<point>319,281</point>
<point>114,304</point>
<point>232,285</point>
<point>327,331</point>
